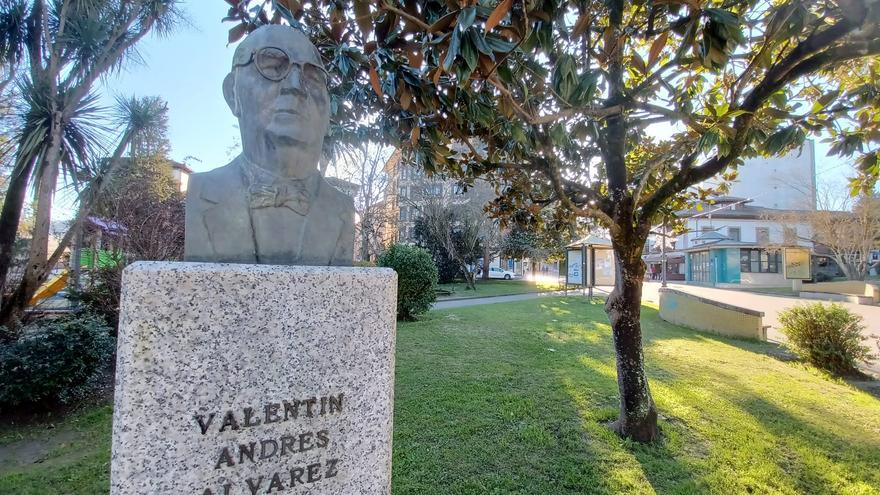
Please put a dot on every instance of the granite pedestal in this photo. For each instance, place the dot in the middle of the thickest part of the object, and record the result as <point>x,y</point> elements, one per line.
<point>254,379</point>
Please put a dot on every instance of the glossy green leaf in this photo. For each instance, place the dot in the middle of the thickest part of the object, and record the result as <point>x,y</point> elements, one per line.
<point>452,50</point>
<point>467,17</point>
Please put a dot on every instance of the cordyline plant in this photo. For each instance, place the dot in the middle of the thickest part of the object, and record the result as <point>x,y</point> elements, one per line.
<point>613,110</point>
<point>58,49</point>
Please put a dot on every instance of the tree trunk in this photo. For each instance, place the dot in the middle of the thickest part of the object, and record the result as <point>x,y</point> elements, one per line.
<point>365,239</point>
<point>35,272</point>
<point>850,271</point>
<point>638,414</point>
<point>468,276</point>
<point>10,218</point>
<point>486,262</point>
<point>40,263</point>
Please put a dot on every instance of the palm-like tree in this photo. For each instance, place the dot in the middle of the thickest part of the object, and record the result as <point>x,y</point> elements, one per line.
<point>137,117</point>
<point>62,47</point>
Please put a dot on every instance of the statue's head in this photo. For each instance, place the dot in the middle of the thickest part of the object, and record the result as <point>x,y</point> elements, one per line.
<point>278,89</point>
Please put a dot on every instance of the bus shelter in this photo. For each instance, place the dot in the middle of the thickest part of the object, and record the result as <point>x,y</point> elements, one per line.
<point>589,263</point>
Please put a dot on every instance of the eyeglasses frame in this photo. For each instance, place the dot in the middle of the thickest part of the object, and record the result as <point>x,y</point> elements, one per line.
<point>290,65</point>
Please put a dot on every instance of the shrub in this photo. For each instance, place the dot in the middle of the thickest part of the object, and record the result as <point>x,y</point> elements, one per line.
<point>101,294</point>
<point>54,360</point>
<point>828,337</point>
<point>823,277</point>
<point>416,279</point>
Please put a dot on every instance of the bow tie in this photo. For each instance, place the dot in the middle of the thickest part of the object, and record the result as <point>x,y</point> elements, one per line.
<point>266,190</point>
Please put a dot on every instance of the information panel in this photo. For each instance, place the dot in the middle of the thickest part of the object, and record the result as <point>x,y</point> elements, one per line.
<point>604,267</point>
<point>575,274</point>
<point>797,264</point>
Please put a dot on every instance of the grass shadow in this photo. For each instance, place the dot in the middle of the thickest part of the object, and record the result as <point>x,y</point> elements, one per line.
<point>537,382</point>
<point>656,329</point>
<point>512,409</point>
<point>812,459</point>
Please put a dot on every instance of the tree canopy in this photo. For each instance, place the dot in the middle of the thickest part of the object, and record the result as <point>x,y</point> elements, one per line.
<point>531,88</point>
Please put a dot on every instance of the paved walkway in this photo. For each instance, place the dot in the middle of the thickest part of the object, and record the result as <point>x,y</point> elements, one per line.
<point>475,301</point>
<point>770,306</point>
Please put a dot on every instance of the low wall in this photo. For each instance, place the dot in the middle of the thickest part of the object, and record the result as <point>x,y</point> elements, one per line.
<point>847,288</point>
<point>834,297</point>
<point>700,313</point>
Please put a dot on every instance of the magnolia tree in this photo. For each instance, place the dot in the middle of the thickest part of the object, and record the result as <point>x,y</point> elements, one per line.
<point>611,110</point>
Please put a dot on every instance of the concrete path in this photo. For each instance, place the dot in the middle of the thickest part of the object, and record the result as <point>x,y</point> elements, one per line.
<point>770,305</point>
<point>475,301</point>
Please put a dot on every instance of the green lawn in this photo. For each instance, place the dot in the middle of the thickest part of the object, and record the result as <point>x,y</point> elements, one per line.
<point>72,457</point>
<point>512,398</point>
<point>493,287</point>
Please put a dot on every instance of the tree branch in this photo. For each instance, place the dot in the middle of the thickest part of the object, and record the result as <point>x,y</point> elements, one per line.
<point>552,172</point>
<point>797,63</point>
<point>415,20</point>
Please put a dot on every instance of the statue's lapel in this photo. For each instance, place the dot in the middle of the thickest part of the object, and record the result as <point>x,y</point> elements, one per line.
<point>324,224</point>
<point>226,218</point>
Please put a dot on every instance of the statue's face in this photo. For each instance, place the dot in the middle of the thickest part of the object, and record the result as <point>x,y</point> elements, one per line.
<point>279,89</point>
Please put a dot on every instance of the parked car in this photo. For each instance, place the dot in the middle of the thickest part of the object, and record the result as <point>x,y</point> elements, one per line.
<point>499,273</point>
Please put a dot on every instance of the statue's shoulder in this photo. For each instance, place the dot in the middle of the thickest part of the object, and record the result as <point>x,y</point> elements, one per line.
<point>338,199</point>
<point>216,185</point>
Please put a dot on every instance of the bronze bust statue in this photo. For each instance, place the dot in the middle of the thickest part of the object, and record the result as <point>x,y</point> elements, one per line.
<point>271,205</point>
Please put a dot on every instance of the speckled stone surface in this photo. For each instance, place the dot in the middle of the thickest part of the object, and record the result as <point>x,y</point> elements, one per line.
<point>254,379</point>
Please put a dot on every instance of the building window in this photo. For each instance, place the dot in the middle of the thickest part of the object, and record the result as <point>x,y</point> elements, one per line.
<point>758,261</point>
<point>789,234</point>
<point>734,233</point>
<point>762,235</point>
<point>403,213</point>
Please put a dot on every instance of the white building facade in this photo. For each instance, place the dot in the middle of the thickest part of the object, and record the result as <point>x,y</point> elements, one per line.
<point>740,239</point>
<point>739,244</point>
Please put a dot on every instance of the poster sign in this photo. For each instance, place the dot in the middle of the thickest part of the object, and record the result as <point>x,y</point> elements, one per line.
<point>575,274</point>
<point>797,264</point>
<point>604,267</point>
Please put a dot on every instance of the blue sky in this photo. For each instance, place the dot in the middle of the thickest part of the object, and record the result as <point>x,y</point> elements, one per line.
<point>187,69</point>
